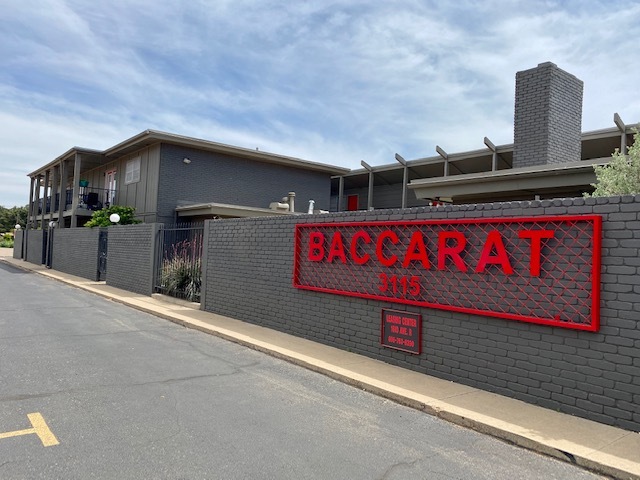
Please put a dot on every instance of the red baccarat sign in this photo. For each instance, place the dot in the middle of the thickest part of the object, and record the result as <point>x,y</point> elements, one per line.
<point>543,270</point>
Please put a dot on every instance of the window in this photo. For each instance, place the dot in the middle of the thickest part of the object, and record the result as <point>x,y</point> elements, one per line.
<point>132,172</point>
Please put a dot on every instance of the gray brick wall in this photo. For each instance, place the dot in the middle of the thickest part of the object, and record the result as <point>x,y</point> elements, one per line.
<point>17,243</point>
<point>34,246</point>
<point>237,181</point>
<point>131,257</point>
<point>548,116</point>
<point>75,251</point>
<point>593,375</point>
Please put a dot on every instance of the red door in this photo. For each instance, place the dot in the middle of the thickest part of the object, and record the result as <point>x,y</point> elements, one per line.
<point>352,203</point>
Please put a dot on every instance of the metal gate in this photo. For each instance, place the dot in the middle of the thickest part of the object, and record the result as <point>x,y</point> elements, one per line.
<point>179,261</point>
<point>47,246</point>
<point>102,254</point>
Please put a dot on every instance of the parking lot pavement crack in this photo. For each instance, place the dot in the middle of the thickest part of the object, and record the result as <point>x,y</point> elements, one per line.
<point>210,355</point>
<point>17,398</point>
<point>167,381</point>
<point>178,425</point>
<point>396,466</point>
<point>182,379</point>
<point>50,307</point>
<point>82,335</point>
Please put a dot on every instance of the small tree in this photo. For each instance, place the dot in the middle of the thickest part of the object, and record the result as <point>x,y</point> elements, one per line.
<point>100,218</point>
<point>9,217</point>
<point>622,175</point>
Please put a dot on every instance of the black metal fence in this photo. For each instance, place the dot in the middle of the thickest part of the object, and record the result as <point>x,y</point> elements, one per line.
<point>179,261</point>
<point>103,249</point>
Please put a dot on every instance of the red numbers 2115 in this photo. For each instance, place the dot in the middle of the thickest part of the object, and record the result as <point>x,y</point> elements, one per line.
<point>402,285</point>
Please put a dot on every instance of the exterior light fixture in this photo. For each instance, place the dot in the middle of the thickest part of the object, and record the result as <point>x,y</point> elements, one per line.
<point>114,218</point>
<point>186,160</point>
<point>52,224</point>
<point>18,226</point>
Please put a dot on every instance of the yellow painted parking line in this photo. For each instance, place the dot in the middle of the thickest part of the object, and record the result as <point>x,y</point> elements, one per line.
<point>40,428</point>
<point>17,433</point>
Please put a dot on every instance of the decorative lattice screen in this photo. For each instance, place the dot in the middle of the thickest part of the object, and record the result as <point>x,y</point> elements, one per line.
<point>542,269</point>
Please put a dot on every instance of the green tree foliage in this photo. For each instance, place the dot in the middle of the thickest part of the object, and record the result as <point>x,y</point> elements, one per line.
<point>10,217</point>
<point>6,240</point>
<point>100,218</point>
<point>622,175</point>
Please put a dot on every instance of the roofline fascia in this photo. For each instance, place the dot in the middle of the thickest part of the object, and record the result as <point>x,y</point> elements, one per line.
<point>209,208</point>
<point>224,148</point>
<point>65,156</point>
<point>453,157</point>
<point>509,174</point>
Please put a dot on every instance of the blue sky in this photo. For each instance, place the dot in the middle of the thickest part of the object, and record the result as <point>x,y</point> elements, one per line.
<point>333,81</point>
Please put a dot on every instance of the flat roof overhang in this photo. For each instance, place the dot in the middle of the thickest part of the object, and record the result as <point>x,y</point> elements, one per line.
<point>90,158</point>
<point>543,177</point>
<point>227,211</point>
<point>595,145</point>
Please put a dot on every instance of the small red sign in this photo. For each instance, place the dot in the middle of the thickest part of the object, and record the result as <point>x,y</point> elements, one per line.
<point>401,330</point>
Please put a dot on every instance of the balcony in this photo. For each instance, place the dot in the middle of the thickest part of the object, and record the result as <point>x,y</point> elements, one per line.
<point>91,198</point>
<point>88,199</point>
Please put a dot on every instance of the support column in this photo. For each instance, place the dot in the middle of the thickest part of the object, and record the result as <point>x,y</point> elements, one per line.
<point>340,194</point>
<point>370,189</point>
<point>405,178</point>
<point>44,198</point>
<point>623,133</point>
<point>76,191</point>
<point>63,193</point>
<point>445,156</point>
<point>30,208</point>
<point>54,192</point>
<point>494,156</point>
<point>37,201</point>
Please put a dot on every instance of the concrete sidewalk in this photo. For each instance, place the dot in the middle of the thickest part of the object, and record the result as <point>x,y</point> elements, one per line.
<point>601,448</point>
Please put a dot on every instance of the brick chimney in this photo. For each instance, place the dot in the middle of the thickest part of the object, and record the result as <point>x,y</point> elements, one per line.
<point>548,117</point>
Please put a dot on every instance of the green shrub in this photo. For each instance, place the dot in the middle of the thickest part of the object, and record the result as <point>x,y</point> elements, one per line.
<point>6,241</point>
<point>622,175</point>
<point>181,271</point>
<point>100,218</point>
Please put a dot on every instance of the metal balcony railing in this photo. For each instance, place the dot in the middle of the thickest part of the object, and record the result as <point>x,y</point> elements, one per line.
<point>95,198</point>
<point>88,197</point>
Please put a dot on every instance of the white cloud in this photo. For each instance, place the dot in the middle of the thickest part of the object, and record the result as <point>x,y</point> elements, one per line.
<point>336,81</point>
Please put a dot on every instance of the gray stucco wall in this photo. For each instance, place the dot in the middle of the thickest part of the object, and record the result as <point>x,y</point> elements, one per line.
<point>131,257</point>
<point>590,374</point>
<point>222,179</point>
<point>75,251</point>
<point>35,246</point>
<point>17,243</point>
